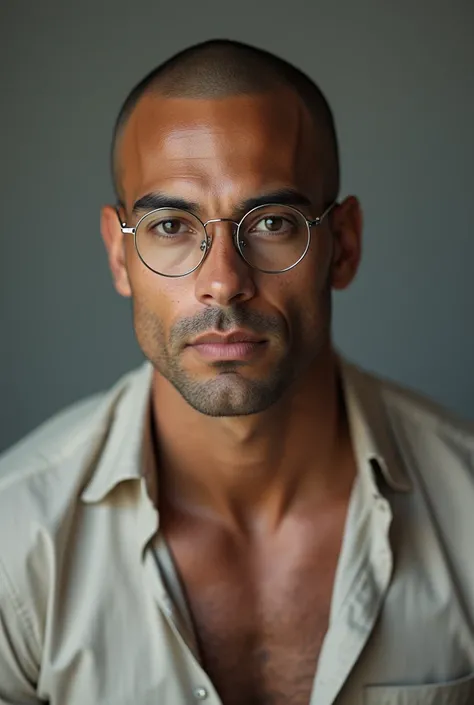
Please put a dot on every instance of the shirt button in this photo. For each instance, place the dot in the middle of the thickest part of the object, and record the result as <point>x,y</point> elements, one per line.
<point>200,693</point>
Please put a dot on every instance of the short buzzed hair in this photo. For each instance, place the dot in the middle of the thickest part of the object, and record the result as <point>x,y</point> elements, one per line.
<point>221,68</point>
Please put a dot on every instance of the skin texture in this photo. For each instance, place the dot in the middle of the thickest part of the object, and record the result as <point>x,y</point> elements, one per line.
<point>253,504</point>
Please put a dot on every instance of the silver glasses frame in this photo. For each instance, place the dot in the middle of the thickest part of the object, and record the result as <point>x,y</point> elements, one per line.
<point>238,243</point>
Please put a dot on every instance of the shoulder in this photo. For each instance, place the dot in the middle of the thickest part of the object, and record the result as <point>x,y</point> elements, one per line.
<point>434,444</point>
<point>42,476</point>
<point>42,481</point>
<point>45,446</point>
<point>425,423</point>
<point>57,442</point>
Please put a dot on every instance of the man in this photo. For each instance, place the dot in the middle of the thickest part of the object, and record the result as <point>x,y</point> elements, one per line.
<point>248,519</point>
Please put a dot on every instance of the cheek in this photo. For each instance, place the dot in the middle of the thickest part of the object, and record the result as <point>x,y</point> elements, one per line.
<point>151,307</point>
<point>303,297</point>
<point>149,291</point>
<point>157,302</point>
<point>303,288</point>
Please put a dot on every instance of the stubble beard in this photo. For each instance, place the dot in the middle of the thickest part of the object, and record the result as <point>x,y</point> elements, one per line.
<point>228,392</point>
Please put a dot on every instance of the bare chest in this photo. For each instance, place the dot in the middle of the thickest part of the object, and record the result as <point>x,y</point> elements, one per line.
<point>260,631</point>
<point>265,652</point>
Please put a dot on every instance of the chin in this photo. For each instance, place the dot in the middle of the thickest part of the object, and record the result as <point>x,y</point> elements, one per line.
<point>230,394</point>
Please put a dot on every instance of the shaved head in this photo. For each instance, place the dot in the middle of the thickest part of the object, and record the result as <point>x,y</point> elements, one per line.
<point>220,69</point>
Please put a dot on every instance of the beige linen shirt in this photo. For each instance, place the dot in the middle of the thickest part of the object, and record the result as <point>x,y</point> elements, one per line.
<point>91,611</point>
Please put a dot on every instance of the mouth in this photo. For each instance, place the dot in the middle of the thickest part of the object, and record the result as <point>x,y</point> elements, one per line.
<point>237,345</point>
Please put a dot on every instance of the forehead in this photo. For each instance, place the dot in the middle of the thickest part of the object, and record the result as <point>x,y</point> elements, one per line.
<point>226,148</point>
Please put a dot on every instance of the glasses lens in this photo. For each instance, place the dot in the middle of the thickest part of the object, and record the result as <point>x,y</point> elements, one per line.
<point>170,241</point>
<point>273,238</point>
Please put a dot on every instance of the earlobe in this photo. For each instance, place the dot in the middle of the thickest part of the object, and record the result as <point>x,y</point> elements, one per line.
<point>115,246</point>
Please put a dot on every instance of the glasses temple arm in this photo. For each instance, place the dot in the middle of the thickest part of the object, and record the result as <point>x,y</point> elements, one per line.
<point>123,225</point>
<point>318,221</point>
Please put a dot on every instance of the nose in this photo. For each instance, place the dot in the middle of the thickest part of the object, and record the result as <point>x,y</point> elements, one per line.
<point>223,278</point>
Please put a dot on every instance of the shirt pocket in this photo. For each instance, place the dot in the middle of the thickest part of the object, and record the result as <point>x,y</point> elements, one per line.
<point>458,692</point>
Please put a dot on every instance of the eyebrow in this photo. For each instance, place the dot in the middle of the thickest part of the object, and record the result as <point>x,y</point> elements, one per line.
<point>281,197</point>
<point>156,200</point>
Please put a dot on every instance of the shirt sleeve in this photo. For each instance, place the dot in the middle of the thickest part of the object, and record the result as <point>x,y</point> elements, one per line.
<point>18,671</point>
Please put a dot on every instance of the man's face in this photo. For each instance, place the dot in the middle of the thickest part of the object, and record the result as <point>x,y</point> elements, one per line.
<point>218,154</point>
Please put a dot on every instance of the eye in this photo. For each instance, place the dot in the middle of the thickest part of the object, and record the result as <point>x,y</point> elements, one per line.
<point>168,228</point>
<point>274,224</point>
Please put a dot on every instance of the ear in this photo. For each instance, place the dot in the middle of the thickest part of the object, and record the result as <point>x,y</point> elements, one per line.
<point>346,226</point>
<point>115,245</point>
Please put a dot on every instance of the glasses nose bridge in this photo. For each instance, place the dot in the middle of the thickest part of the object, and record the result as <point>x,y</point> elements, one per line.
<point>222,220</point>
<point>209,236</point>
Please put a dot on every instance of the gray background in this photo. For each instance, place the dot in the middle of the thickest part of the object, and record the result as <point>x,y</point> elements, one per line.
<point>399,76</point>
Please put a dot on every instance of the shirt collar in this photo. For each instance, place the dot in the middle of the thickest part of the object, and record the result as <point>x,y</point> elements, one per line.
<point>127,450</point>
<point>126,429</point>
<point>371,432</point>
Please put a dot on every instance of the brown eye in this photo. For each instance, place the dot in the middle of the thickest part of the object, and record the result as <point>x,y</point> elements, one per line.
<point>171,227</point>
<point>273,223</point>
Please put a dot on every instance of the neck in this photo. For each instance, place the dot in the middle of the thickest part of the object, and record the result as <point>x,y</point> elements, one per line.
<point>247,469</point>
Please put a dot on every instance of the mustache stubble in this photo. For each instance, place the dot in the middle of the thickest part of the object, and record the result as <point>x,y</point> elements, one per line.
<point>223,320</point>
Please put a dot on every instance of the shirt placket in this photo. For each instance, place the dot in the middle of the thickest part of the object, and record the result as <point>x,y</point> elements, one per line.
<point>358,595</point>
<point>196,685</point>
<point>199,686</point>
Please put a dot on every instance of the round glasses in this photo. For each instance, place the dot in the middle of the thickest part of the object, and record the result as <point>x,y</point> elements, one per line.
<point>271,238</point>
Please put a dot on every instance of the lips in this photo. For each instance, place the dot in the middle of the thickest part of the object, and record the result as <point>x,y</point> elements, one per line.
<point>238,336</point>
<point>237,345</point>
